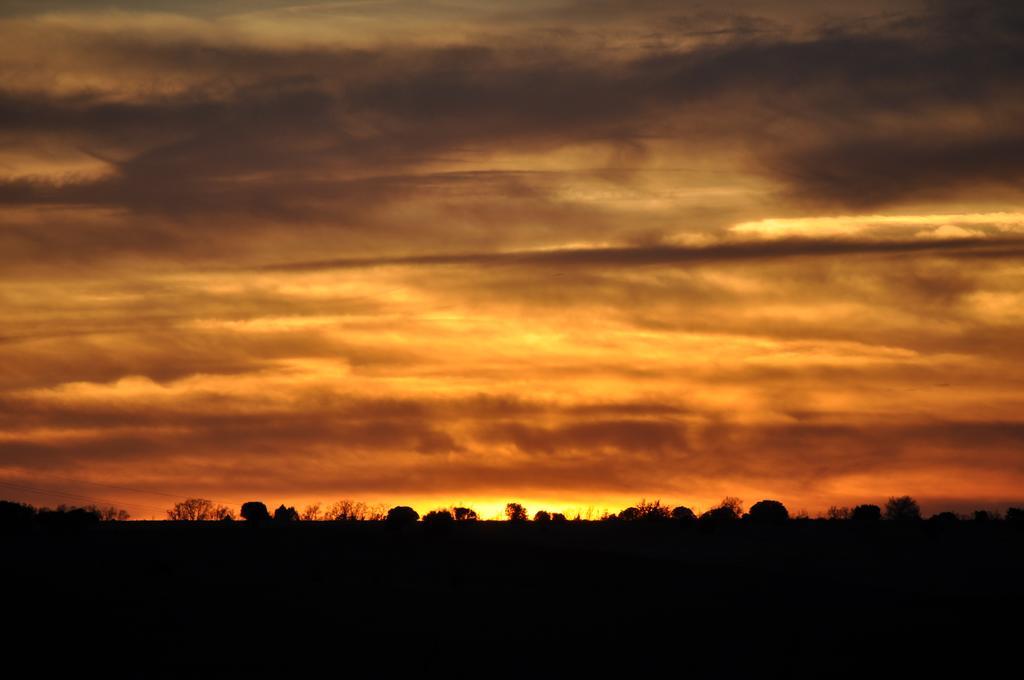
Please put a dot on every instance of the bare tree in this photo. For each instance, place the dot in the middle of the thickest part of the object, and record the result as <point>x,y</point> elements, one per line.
<point>109,514</point>
<point>733,503</point>
<point>198,510</point>
<point>377,512</point>
<point>312,513</point>
<point>346,510</point>
<point>836,512</point>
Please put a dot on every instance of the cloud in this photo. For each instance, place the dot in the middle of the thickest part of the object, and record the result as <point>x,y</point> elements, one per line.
<point>261,135</point>
<point>679,255</point>
<point>412,249</point>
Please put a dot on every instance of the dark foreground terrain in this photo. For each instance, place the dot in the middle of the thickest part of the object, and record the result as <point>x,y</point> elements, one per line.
<point>496,599</point>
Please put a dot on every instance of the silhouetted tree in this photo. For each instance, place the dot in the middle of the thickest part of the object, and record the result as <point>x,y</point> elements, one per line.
<point>112,514</point>
<point>197,510</point>
<point>902,508</point>
<point>650,512</point>
<point>558,518</point>
<point>465,515</point>
<point>653,511</point>
<point>516,513</point>
<point>255,511</point>
<point>734,503</point>
<point>866,513</point>
<point>312,513</point>
<point>109,513</point>
<point>283,514</point>
<point>349,511</point>
<point>768,512</point>
<point>15,516</point>
<point>542,516</point>
<point>982,516</point>
<point>402,515</point>
<point>683,514</point>
<point>1015,515</point>
<point>838,513</point>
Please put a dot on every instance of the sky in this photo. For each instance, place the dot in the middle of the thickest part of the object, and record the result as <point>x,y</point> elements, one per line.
<point>571,254</point>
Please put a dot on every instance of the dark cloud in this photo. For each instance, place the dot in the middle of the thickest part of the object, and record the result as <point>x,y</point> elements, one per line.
<point>681,255</point>
<point>858,116</point>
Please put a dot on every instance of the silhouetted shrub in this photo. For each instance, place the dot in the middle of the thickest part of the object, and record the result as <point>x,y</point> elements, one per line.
<point>515,513</point>
<point>542,516</point>
<point>465,515</point>
<point>67,520</point>
<point>255,511</point>
<point>649,512</point>
<point>944,518</point>
<point>866,513</point>
<point>728,510</point>
<point>902,509</point>
<point>719,515</point>
<point>768,512</point>
<point>283,514</point>
<point>438,518</point>
<point>558,518</point>
<point>982,516</point>
<point>627,514</point>
<point>438,522</point>
<point>15,516</point>
<point>683,514</point>
<point>1015,515</point>
<point>402,515</point>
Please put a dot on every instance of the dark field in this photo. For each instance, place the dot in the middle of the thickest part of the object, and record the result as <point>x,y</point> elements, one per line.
<point>496,599</point>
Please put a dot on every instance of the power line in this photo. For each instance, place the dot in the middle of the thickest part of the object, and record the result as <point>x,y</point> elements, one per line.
<point>127,488</point>
<point>79,497</point>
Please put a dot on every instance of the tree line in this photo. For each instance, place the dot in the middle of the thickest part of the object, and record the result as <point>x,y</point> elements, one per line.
<point>730,509</point>
<point>897,508</point>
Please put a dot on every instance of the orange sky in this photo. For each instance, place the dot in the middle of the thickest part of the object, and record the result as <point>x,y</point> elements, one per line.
<point>563,253</point>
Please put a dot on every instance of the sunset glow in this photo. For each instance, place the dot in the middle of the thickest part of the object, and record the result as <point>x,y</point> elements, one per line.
<point>565,255</point>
